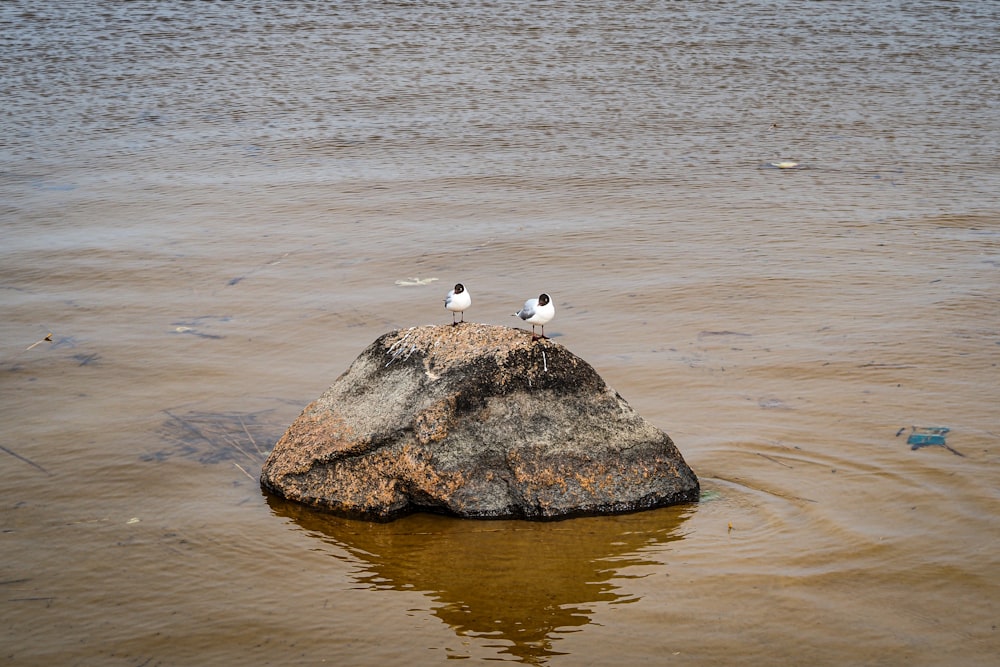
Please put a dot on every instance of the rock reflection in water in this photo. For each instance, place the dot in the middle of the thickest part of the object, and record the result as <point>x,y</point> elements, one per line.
<point>519,582</point>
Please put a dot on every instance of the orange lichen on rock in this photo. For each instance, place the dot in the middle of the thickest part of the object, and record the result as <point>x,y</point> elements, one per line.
<point>317,436</point>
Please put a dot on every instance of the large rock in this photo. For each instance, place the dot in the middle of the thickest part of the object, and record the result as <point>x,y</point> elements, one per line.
<point>477,421</point>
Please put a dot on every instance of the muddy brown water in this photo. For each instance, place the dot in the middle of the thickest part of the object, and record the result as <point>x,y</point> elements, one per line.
<point>209,208</point>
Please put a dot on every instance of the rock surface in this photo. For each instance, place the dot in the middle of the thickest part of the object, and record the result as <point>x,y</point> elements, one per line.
<point>477,421</point>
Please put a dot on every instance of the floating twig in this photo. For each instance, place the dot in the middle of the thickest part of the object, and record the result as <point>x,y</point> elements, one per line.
<point>244,471</point>
<point>706,334</point>
<point>239,279</point>
<point>773,460</point>
<point>254,442</point>
<point>237,447</point>
<point>47,339</point>
<point>25,459</point>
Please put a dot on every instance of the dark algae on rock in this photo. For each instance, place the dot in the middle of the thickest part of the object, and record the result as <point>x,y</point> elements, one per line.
<point>476,421</point>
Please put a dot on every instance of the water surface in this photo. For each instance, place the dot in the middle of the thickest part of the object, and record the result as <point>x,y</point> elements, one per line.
<point>209,207</point>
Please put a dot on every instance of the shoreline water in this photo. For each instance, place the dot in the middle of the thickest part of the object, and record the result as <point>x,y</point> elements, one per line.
<point>210,214</point>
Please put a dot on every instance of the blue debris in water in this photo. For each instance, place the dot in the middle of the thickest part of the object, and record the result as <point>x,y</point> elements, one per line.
<point>928,436</point>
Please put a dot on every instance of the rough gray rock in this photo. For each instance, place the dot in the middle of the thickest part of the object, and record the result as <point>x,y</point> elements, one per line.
<point>475,420</point>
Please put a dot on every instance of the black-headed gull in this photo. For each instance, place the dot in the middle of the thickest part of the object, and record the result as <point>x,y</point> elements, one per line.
<point>457,301</point>
<point>537,312</point>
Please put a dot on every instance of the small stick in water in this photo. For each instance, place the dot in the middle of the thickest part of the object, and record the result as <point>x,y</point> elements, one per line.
<point>244,471</point>
<point>47,339</point>
<point>25,459</point>
<point>254,442</point>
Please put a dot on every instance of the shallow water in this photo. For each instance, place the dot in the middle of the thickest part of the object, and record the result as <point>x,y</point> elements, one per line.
<point>208,207</point>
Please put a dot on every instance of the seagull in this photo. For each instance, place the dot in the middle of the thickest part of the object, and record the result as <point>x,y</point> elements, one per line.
<point>538,312</point>
<point>457,301</point>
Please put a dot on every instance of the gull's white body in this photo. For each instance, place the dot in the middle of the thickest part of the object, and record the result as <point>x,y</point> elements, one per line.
<point>537,312</point>
<point>457,301</point>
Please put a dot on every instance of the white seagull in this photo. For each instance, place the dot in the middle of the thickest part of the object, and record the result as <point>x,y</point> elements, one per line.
<point>457,301</point>
<point>538,312</point>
